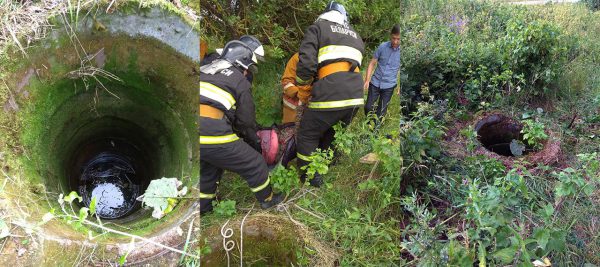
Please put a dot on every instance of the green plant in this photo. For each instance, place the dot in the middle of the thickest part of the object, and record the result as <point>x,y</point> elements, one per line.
<point>123,258</point>
<point>481,55</point>
<point>477,53</point>
<point>534,133</point>
<point>162,196</point>
<point>590,163</point>
<point>72,217</point>
<point>471,136</point>
<point>572,183</point>
<point>280,26</point>
<point>344,139</point>
<point>319,163</point>
<point>419,137</point>
<point>225,208</point>
<point>484,168</point>
<point>388,152</point>
<point>420,238</point>
<point>499,231</point>
<point>283,179</point>
<point>205,249</point>
<point>592,4</point>
<point>585,179</point>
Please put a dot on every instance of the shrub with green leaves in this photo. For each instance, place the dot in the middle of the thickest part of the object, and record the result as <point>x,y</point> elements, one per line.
<point>575,181</point>
<point>344,140</point>
<point>474,52</point>
<point>534,133</point>
<point>284,180</point>
<point>592,4</point>
<point>319,163</point>
<point>281,25</point>
<point>419,137</point>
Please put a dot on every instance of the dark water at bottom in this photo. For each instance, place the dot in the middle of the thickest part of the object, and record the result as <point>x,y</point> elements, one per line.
<point>109,178</point>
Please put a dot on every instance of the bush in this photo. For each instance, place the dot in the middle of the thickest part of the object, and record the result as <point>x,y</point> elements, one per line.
<point>473,52</point>
<point>419,139</point>
<point>280,24</point>
<point>592,4</point>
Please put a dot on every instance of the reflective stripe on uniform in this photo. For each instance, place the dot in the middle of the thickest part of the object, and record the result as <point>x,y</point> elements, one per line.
<point>303,157</point>
<point>207,196</point>
<point>262,186</point>
<point>299,81</point>
<point>214,140</point>
<point>288,85</point>
<point>339,51</point>
<point>215,93</point>
<point>336,104</point>
<point>289,104</point>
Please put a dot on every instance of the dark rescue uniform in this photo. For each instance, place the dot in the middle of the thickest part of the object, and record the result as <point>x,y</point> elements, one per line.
<point>228,91</point>
<point>333,52</point>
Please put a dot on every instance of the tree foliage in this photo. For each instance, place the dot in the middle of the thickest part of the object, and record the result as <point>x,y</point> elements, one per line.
<point>281,24</point>
<point>472,51</point>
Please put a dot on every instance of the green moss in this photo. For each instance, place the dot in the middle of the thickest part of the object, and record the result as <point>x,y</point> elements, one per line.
<point>158,92</point>
<point>268,241</point>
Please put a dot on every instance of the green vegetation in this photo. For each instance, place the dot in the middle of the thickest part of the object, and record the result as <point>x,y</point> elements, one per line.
<point>354,214</point>
<point>533,133</point>
<point>592,4</point>
<point>353,219</point>
<point>464,208</point>
<point>281,25</point>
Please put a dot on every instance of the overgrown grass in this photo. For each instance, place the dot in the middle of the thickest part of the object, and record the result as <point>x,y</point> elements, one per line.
<point>483,212</point>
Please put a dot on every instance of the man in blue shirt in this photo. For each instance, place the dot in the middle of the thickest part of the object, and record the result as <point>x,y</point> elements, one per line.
<point>381,84</point>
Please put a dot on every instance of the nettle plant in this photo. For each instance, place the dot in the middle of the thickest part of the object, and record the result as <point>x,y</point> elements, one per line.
<point>344,139</point>
<point>284,180</point>
<point>506,221</point>
<point>534,133</point>
<point>500,230</point>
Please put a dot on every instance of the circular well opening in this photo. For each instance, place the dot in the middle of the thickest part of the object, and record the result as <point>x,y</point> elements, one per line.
<point>497,132</point>
<point>114,161</point>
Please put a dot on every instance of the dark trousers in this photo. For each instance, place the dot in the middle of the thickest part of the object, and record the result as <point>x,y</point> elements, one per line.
<point>383,95</point>
<point>316,131</point>
<point>237,157</point>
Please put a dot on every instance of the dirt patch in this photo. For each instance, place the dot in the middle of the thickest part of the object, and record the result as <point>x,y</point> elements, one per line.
<point>495,132</point>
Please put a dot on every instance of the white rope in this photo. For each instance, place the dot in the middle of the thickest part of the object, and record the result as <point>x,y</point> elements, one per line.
<point>242,236</point>
<point>228,245</point>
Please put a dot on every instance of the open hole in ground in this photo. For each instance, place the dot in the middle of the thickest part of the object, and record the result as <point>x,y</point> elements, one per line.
<point>502,135</point>
<point>114,163</point>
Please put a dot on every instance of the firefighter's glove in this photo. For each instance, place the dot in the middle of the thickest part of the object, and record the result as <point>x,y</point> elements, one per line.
<point>304,93</point>
<point>291,90</point>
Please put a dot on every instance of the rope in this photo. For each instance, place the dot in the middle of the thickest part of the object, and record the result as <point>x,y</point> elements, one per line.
<point>228,245</point>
